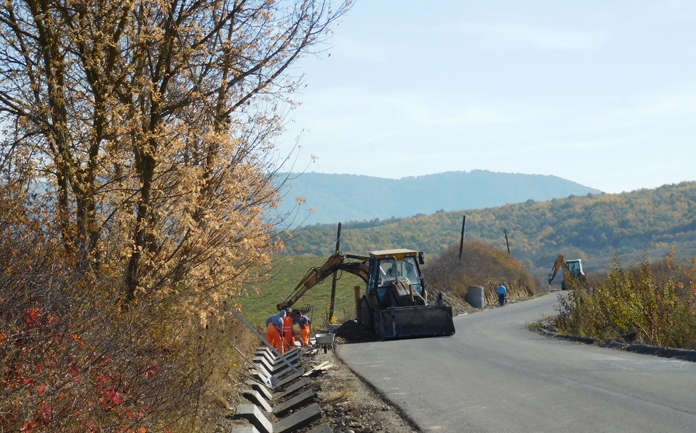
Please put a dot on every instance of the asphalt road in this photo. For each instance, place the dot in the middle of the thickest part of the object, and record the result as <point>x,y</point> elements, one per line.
<point>494,375</point>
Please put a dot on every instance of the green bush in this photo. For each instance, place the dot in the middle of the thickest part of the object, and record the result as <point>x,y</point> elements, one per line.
<point>648,303</point>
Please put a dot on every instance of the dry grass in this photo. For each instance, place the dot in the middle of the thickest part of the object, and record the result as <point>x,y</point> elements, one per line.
<point>334,397</point>
<point>481,265</point>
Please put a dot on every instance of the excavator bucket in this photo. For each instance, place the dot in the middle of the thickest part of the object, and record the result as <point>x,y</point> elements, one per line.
<point>414,321</point>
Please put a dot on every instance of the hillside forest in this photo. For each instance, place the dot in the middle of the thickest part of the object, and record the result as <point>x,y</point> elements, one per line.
<point>593,227</point>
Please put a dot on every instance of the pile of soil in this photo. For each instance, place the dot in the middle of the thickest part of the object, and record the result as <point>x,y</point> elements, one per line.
<point>458,304</point>
<point>352,332</point>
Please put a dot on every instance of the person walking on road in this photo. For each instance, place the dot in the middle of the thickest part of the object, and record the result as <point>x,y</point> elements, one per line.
<point>502,294</point>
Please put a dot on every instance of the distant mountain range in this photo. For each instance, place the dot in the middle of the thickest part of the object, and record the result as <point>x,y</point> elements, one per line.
<point>333,198</point>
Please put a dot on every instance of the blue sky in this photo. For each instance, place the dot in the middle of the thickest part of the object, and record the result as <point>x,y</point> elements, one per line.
<point>600,93</point>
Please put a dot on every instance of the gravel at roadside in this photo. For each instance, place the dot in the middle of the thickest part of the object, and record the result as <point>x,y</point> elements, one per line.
<point>349,404</point>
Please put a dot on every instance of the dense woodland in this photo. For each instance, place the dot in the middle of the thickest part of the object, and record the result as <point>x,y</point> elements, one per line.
<point>590,227</point>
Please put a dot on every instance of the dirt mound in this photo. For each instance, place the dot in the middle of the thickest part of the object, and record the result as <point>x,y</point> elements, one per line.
<point>459,305</point>
<point>352,332</point>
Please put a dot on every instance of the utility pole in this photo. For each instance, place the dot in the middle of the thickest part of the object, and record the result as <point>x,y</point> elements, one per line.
<point>506,241</point>
<point>335,275</point>
<point>461,240</point>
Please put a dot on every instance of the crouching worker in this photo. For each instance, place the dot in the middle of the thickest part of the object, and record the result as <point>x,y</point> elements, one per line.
<point>305,326</point>
<point>274,331</point>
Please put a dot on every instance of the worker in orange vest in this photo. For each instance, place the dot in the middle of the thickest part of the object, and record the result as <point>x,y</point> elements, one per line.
<point>274,330</point>
<point>305,326</point>
<point>288,334</point>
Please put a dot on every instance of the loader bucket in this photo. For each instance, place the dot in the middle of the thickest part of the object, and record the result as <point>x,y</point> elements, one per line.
<point>414,321</point>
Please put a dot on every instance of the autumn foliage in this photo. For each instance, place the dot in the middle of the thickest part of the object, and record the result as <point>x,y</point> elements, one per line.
<point>72,359</point>
<point>136,159</point>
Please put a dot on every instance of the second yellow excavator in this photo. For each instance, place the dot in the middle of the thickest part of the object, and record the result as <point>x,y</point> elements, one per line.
<point>571,269</point>
<point>395,301</point>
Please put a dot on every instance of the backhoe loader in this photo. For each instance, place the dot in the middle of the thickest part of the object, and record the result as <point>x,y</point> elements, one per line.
<point>395,301</point>
<point>571,269</point>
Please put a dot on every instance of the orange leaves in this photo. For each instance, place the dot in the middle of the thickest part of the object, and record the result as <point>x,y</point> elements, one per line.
<point>77,339</point>
<point>33,317</point>
<point>28,426</point>
<point>72,373</point>
<point>110,396</point>
<point>151,371</point>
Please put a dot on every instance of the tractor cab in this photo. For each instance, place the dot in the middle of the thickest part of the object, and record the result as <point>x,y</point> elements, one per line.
<point>575,268</point>
<point>395,274</point>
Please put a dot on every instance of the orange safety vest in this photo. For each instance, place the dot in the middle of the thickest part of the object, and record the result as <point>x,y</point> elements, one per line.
<point>288,334</point>
<point>273,337</point>
<point>304,334</point>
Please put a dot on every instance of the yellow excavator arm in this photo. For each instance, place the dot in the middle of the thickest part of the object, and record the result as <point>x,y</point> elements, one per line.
<point>557,266</point>
<point>571,269</point>
<point>337,262</point>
